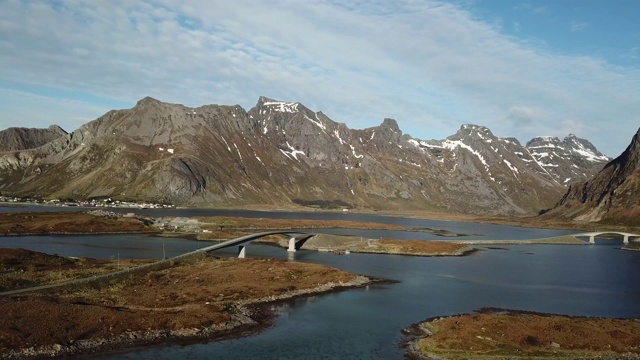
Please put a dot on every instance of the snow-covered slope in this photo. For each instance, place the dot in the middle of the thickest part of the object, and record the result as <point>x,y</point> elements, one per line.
<point>570,160</point>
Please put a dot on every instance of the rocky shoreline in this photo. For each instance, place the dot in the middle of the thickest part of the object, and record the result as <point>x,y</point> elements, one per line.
<point>500,334</point>
<point>248,315</point>
<point>462,252</point>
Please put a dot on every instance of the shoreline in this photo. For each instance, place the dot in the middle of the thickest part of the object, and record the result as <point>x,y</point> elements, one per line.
<point>462,252</point>
<point>542,336</point>
<point>527,221</point>
<point>249,317</point>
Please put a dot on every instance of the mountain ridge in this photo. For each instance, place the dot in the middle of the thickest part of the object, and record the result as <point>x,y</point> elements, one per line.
<point>283,154</point>
<point>21,138</point>
<point>611,196</point>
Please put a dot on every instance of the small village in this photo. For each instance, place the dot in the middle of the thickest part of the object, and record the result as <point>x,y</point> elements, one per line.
<point>107,202</point>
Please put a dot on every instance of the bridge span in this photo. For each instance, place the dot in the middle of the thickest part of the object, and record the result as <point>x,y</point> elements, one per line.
<point>592,235</point>
<point>294,242</point>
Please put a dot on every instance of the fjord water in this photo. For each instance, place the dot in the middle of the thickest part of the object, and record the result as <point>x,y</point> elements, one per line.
<point>597,280</point>
<point>590,280</point>
<point>469,230</point>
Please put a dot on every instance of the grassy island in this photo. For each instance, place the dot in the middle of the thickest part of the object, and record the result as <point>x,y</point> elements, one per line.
<point>199,299</point>
<point>500,334</point>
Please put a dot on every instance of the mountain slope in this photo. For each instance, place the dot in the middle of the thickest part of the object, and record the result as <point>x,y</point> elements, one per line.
<point>280,154</point>
<point>16,138</point>
<point>567,161</point>
<point>612,196</point>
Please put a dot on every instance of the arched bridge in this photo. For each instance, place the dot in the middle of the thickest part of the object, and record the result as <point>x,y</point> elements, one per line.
<point>295,242</point>
<point>592,235</point>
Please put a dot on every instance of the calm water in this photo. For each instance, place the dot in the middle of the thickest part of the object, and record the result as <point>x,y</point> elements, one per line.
<point>471,231</point>
<point>597,280</point>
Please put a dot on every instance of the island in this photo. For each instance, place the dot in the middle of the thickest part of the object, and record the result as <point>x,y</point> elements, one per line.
<point>507,334</point>
<point>205,298</point>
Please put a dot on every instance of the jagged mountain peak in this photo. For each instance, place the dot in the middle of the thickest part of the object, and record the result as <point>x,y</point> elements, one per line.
<point>20,138</point>
<point>390,124</point>
<point>512,140</point>
<point>630,157</point>
<point>571,145</point>
<point>281,153</point>
<point>584,148</point>
<point>57,129</point>
<point>264,99</point>
<point>566,161</point>
<point>279,106</point>
<point>543,141</point>
<point>610,196</point>
<point>474,127</point>
<point>148,100</point>
<point>472,131</point>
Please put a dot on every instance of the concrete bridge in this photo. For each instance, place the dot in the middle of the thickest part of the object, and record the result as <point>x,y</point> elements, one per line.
<point>295,242</point>
<point>592,235</point>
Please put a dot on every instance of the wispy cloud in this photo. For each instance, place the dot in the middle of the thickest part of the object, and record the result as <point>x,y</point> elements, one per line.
<point>516,26</point>
<point>578,26</point>
<point>533,9</point>
<point>430,64</point>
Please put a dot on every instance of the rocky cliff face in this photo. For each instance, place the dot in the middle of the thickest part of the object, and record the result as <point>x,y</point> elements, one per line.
<point>15,138</point>
<point>567,161</point>
<point>283,154</point>
<point>612,196</point>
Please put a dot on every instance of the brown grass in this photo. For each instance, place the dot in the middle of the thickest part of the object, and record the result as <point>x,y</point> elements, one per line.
<point>20,268</point>
<point>529,335</point>
<point>225,222</point>
<point>187,296</point>
<point>420,247</point>
<point>71,222</point>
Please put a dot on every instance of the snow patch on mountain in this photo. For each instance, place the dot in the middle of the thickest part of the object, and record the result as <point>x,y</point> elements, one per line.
<point>293,153</point>
<point>281,106</point>
<point>453,144</point>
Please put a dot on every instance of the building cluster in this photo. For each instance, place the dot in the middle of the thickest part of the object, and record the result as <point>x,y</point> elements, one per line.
<point>107,202</point>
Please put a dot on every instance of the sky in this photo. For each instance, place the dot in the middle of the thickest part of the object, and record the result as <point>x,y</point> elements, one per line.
<point>521,68</point>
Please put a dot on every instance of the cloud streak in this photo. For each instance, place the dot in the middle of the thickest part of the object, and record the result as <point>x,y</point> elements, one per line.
<point>432,65</point>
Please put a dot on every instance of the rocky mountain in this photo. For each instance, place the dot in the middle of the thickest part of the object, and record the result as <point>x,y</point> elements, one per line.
<point>282,154</point>
<point>17,138</point>
<point>612,196</point>
<point>570,160</point>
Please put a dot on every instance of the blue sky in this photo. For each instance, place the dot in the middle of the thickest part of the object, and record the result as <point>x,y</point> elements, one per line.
<point>522,69</point>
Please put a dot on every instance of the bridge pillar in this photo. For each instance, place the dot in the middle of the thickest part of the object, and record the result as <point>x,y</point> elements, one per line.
<point>292,245</point>
<point>242,252</point>
<point>592,239</point>
<point>626,239</point>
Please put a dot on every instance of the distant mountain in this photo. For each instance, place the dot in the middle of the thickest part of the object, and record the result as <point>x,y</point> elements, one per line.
<point>612,196</point>
<point>570,160</point>
<point>17,138</point>
<point>284,154</point>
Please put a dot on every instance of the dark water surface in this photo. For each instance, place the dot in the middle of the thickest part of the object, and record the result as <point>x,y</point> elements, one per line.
<point>597,280</point>
<point>589,280</point>
<point>469,230</point>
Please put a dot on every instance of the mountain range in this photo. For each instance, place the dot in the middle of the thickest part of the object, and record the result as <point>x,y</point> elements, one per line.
<point>282,154</point>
